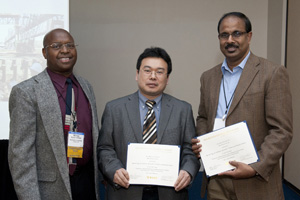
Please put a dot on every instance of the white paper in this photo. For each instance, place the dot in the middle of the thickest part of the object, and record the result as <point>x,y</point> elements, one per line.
<point>153,164</point>
<point>227,144</point>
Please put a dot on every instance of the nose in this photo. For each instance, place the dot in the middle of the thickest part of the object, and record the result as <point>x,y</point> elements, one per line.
<point>153,75</point>
<point>230,39</point>
<point>64,48</point>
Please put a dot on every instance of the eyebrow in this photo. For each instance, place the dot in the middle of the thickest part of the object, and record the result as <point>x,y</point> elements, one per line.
<point>146,66</point>
<point>232,31</point>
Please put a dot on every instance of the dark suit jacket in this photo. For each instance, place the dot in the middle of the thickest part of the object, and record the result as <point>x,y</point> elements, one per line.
<point>37,155</point>
<point>263,99</point>
<point>121,125</point>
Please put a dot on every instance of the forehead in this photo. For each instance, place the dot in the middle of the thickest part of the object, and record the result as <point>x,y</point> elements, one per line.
<point>154,62</point>
<point>59,36</point>
<point>232,23</point>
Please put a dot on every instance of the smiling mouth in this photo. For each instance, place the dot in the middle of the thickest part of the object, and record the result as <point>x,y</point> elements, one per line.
<point>64,60</point>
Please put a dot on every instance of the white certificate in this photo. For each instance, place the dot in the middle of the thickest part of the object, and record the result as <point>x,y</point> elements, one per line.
<point>153,164</point>
<point>227,144</point>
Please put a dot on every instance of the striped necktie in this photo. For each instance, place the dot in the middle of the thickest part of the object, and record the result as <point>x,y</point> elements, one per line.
<point>149,126</point>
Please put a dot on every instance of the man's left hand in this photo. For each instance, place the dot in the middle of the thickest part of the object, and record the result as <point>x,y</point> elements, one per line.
<point>182,181</point>
<point>242,170</point>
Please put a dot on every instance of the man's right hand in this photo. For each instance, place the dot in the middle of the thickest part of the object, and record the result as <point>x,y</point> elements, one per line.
<point>121,178</point>
<point>196,147</point>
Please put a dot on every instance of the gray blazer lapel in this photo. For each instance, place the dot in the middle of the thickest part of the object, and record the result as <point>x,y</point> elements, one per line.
<point>165,113</point>
<point>84,87</point>
<point>91,98</point>
<point>248,74</point>
<point>51,116</point>
<point>132,107</point>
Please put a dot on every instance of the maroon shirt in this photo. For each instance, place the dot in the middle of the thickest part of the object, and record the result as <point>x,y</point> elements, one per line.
<point>83,109</point>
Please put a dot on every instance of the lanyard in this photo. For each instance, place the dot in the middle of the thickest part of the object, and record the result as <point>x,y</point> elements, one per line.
<point>74,114</point>
<point>227,105</point>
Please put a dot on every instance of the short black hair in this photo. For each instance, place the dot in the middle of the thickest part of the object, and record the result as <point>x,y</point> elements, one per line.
<point>239,15</point>
<point>155,52</point>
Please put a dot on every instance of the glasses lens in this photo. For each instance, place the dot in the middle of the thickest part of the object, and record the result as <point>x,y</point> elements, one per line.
<point>237,34</point>
<point>224,35</point>
<point>70,45</point>
<point>56,45</point>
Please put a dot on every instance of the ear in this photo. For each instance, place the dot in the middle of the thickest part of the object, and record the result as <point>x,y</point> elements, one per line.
<point>249,37</point>
<point>136,75</point>
<point>168,76</point>
<point>44,51</point>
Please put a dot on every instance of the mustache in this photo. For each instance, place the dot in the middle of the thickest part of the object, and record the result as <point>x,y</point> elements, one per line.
<point>231,45</point>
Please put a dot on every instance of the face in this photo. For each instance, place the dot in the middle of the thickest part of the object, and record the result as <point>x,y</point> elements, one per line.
<point>152,77</point>
<point>234,49</point>
<point>61,60</point>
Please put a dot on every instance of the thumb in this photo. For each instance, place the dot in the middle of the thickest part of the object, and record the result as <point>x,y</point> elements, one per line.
<point>234,163</point>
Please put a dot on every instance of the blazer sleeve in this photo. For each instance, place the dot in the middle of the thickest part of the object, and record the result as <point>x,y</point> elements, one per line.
<point>22,150</point>
<point>108,161</point>
<point>278,115</point>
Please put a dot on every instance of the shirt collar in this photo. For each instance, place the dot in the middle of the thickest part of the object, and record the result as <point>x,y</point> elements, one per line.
<point>143,99</point>
<point>240,66</point>
<point>60,79</point>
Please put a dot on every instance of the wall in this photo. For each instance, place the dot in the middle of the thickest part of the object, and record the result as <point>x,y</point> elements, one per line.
<point>276,31</point>
<point>112,34</point>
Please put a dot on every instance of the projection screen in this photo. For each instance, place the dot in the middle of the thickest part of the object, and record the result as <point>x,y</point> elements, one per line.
<point>23,25</point>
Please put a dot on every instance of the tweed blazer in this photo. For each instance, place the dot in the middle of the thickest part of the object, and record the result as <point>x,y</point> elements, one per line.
<point>263,99</point>
<point>36,154</point>
<point>121,125</point>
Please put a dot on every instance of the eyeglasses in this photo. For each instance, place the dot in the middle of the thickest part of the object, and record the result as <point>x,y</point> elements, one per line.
<point>157,73</point>
<point>235,35</point>
<point>58,46</point>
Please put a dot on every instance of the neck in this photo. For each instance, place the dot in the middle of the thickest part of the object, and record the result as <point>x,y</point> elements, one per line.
<point>150,97</point>
<point>231,63</point>
<point>65,74</point>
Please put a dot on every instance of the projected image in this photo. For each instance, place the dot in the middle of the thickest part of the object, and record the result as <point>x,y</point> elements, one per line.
<point>20,47</point>
<point>23,25</point>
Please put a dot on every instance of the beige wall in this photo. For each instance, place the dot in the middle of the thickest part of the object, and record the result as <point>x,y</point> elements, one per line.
<point>276,31</point>
<point>112,34</point>
<point>292,156</point>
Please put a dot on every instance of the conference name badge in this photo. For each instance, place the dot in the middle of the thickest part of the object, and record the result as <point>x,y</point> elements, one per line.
<point>75,144</point>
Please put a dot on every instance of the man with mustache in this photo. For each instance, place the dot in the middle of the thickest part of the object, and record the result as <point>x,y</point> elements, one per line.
<point>125,121</point>
<point>42,121</point>
<point>252,89</point>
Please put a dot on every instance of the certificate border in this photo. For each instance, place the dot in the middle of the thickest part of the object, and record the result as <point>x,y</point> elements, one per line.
<point>258,158</point>
<point>179,146</point>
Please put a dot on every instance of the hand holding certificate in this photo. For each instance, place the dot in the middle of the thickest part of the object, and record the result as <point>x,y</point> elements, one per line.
<point>153,164</point>
<point>227,144</point>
